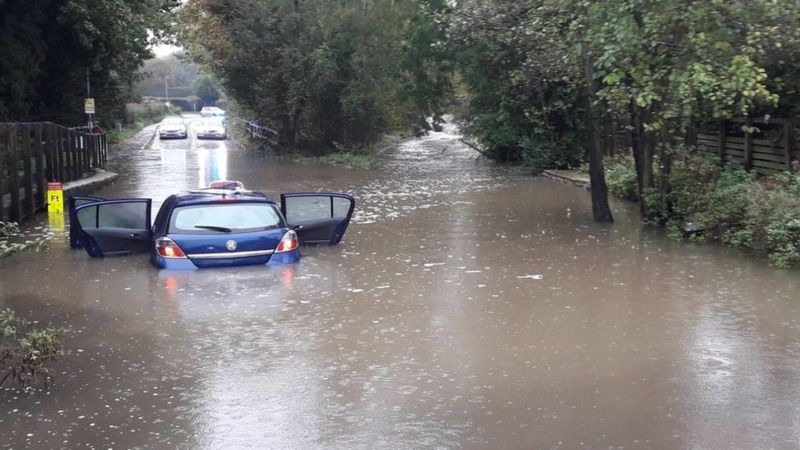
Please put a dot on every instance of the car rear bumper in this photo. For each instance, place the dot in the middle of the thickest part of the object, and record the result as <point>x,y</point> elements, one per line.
<point>211,136</point>
<point>172,135</point>
<point>193,264</point>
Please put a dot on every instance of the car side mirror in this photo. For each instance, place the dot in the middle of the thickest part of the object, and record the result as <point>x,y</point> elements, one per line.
<point>298,228</point>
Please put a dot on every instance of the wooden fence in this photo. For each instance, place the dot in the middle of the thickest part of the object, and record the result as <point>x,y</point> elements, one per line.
<point>31,154</point>
<point>771,148</point>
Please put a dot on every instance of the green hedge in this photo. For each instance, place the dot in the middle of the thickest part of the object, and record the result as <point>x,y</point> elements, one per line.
<point>732,206</point>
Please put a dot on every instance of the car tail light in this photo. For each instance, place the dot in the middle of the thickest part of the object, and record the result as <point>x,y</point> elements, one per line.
<point>288,243</point>
<point>167,248</point>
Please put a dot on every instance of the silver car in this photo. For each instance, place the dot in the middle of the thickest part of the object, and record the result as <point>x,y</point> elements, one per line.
<point>211,128</point>
<point>172,127</point>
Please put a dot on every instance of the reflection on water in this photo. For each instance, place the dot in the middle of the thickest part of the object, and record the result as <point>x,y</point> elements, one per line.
<point>468,306</point>
<point>212,165</point>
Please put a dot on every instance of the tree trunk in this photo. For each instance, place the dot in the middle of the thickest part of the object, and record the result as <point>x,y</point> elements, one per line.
<point>601,211</point>
<point>288,132</point>
<point>665,169</point>
<point>643,144</point>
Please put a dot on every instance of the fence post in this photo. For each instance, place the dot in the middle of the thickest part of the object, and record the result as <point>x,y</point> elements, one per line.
<point>5,146</point>
<point>49,173</point>
<point>748,144</point>
<point>72,152</point>
<point>27,168</point>
<point>96,151</point>
<point>13,173</point>
<point>62,158</point>
<point>84,167</point>
<point>723,141</point>
<point>39,173</point>
<point>690,138</point>
<point>104,150</point>
<point>788,140</point>
<point>92,138</point>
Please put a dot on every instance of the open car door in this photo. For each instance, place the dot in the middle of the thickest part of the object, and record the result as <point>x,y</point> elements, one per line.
<point>111,227</point>
<point>319,218</point>
<point>73,202</point>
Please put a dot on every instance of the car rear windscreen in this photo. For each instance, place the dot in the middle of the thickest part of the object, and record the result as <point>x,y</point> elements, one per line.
<point>225,217</point>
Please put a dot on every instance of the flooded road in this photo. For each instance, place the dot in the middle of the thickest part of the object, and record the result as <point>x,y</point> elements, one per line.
<point>467,307</point>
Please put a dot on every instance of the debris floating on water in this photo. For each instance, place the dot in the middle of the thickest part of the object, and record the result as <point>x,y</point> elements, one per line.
<point>531,277</point>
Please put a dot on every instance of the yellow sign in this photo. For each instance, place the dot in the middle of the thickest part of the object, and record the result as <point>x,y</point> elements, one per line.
<point>56,222</point>
<point>55,197</point>
<point>88,105</point>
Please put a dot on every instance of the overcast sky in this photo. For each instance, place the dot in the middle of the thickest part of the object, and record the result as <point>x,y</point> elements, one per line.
<point>163,50</point>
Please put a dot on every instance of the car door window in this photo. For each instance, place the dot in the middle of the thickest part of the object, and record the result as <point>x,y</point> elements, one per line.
<point>341,207</point>
<point>308,208</point>
<point>112,227</point>
<point>114,215</point>
<point>122,215</point>
<point>318,218</point>
<point>87,217</point>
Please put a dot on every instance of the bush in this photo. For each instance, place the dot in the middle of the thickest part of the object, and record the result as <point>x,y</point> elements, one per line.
<point>621,178</point>
<point>739,208</point>
<point>348,159</point>
<point>732,206</point>
<point>773,218</point>
<point>11,241</point>
<point>25,350</point>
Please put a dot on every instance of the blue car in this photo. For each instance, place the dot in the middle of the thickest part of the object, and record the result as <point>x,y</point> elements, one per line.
<point>210,227</point>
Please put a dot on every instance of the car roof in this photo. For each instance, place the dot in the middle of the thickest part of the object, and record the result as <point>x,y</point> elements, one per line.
<point>206,196</point>
<point>173,119</point>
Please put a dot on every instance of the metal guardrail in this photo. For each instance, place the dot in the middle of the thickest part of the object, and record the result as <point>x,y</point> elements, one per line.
<point>257,131</point>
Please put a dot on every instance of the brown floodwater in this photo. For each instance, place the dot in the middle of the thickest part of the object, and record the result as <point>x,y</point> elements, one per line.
<point>468,306</point>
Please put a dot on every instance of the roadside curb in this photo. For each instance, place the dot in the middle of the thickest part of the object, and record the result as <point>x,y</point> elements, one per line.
<point>152,138</point>
<point>85,186</point>
<point>568,176</point>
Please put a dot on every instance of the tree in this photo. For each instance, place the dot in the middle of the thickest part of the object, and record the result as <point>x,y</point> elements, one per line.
<point>173,68</point>
<point>205,87</point>
<point>529,71</point>
<point>50,47</point>
<point>666,66</point>
<point>322,73</point>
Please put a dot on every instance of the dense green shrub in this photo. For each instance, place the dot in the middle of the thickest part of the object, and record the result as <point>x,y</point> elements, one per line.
<point>773,218</point>
<point>11,240</point>
<point>732,206</point>
<point>621,178</point>
<point>24,351</point>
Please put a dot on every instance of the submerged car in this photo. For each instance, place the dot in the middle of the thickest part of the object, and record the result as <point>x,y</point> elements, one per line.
<point>211,128</point>
<point>210,227</point>
<point>172,127</point>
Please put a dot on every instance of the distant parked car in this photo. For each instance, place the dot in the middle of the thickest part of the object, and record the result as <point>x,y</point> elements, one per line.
<point>211,128</point>
<point>172,127</point>
<point>210,227</point>
<point>213,111</point>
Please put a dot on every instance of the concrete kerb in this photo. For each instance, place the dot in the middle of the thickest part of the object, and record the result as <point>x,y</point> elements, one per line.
<point>88,185</point>
<point>151,138</point>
